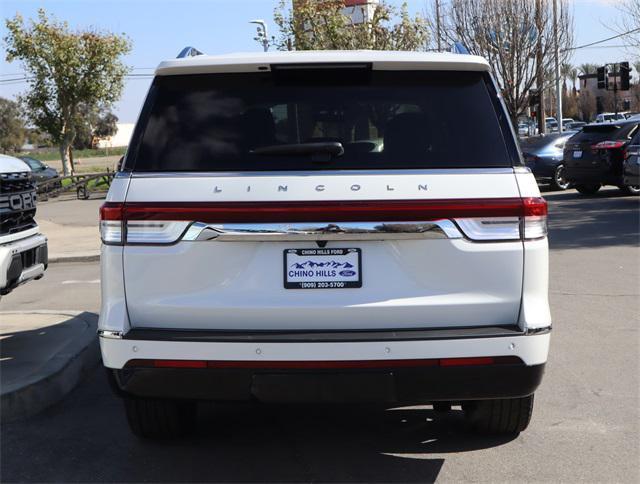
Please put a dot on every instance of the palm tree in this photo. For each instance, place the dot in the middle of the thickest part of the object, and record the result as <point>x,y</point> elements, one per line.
<point>574,79</point>
<point>565,73</point>
<point>588,68</point>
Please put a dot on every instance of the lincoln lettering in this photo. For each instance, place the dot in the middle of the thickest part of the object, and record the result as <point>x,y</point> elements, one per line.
<point>421,187</point>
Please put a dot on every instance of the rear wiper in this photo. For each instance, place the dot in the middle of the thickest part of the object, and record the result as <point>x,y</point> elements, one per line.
<point>323,151</point>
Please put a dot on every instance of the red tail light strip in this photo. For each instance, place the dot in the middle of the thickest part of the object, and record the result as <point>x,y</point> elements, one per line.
<point>326,365</point>
<point>335,211</point>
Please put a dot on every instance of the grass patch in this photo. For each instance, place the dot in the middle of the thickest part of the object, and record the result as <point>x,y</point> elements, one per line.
<point>54,154</point>
<point>91,185</point>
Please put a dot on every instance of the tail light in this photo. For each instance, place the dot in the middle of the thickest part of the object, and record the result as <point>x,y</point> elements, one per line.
<point>608,145</point>
<point>491,219</point>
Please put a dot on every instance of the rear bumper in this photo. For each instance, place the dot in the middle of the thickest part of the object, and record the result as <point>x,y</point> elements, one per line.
<point>604,175</point>
<point>388,385</point>
<point>387,369</point>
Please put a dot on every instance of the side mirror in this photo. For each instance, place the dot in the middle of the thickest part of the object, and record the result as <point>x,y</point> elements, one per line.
<point>120,162</point>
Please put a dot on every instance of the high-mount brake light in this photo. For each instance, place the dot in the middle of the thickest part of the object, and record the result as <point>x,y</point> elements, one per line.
<point>491,219</point>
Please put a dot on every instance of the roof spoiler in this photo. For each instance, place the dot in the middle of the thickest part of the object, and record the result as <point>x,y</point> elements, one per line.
<point>189,52</point>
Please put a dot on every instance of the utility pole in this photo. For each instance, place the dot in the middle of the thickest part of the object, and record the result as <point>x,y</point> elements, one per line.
<point>542,128</point>
<point>262,35</point>
<point>557,66</point>
<point>438,24</point>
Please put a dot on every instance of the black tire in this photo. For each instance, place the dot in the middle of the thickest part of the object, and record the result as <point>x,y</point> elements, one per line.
<point>559,182</point>
<point>506,416</point>
<point>630,189</point>
<point>588,189</point>
<point>160,419</point>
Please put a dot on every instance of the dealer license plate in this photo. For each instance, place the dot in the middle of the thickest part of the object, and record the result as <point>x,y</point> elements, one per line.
<point>322,268</point>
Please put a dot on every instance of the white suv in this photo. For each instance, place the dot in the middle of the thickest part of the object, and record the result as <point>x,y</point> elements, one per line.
<point>316,226</point>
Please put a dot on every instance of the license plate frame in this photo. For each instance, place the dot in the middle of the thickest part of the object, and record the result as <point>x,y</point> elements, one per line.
<point>352,263</point>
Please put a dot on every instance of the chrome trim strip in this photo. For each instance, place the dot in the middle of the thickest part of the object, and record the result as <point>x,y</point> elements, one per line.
<point>229,174</point>
<point>437,229</point>
<point>105,333</point>
<point>122,174</point>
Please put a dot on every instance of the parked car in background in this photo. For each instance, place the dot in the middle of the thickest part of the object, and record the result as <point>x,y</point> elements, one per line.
<point>609,117</point>
<point>40,171</point>
<point>576,125</point>
<point>594,156</point>
<point>631,165</point>
<point>629,115</point>
<point>23,249</point>
<point>552,124</point>
<point>566,122</point>
<point>523,129</point>
<point>543,155</point>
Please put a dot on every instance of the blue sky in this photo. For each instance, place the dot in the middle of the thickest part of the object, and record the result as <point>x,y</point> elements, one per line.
<point>160,29</point>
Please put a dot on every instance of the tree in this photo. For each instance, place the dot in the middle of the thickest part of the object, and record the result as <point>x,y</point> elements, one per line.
<point>324,25</point>
<point>629,25</point>
<point>566,70</point>
<point>93,123</point>
<point>106,126</point>
<point>65,70</point>
<point>506,33</point>
<point>12,129</point>
<point>587,68</point>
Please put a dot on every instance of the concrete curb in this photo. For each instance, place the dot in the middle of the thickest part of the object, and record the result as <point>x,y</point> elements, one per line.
<point>88,257</point>
<point>58,377</point>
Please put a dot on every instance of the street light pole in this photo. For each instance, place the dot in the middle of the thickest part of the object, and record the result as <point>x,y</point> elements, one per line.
<point>542,126</point>
<point>262,34</point>
<point>557,66</point>
<point>438,24</point>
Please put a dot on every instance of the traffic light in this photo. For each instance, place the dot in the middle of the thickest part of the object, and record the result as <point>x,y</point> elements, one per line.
<point>534,98</point>
<point>625,74</point>
<point>603,77</point>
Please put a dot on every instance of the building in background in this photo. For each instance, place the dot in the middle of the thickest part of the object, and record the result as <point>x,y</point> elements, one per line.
<point>121,138</point>
<point>359,11</point>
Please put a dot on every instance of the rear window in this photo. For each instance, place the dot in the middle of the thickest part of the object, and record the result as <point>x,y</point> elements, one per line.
<point>266,121</point>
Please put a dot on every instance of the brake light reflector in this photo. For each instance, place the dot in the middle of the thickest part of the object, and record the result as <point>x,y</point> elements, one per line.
<point>325,364</point>
<point>534,225</point>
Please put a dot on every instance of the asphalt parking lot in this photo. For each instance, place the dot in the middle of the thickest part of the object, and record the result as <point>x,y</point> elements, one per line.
<point>585,425</point>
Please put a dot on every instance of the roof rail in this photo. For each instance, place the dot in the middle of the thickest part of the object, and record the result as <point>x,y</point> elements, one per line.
<point>189,52</point>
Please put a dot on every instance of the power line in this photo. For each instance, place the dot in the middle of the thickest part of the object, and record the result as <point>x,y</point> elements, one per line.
<point>633,31</point>
<point>20,80</point>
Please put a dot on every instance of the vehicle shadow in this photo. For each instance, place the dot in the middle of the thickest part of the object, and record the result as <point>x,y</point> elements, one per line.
<point>605,219</point>
<point>86,439</point>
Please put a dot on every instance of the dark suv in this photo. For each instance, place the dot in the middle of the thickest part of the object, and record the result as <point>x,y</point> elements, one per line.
<point>594,157</point>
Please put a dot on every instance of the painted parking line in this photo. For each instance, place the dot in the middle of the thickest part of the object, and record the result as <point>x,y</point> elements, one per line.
<point>75,281</point>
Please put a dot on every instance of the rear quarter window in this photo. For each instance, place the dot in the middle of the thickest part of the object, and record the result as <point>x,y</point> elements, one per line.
<point>382,119</point>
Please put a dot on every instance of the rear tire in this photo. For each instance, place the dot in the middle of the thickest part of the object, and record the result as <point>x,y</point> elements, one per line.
<point>588,189</point>
<point>559,182</point>
<point>160,419</point>
<point>505,416</point>
<point>630,189</point>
